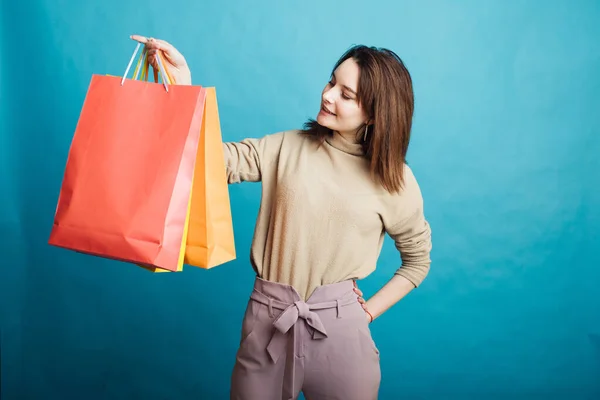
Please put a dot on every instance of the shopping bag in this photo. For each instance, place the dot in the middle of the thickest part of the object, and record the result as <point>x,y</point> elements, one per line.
<point>143,65</point>
<point>210,238</point>
<point>127,183</point>
<point>208,226</point>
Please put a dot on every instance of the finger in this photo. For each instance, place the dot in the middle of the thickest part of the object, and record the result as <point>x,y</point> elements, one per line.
<point>358,291</point>
<point>153,44</point>
<point>166,46</point>
<point>169,58</point>
<point>171,54</point>
<point>148,42</point>
<point>361,300</point>
<point>364,306</point>
<point>153,56</point>
<point>139,38</point>
<point>151,59</point>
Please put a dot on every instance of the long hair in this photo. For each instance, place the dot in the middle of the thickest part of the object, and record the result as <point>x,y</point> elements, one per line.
<point>386,94</point>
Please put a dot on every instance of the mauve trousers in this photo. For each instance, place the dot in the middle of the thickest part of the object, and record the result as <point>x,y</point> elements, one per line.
<point>322,347</point>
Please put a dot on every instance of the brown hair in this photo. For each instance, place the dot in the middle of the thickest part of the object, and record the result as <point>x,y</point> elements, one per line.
<point>385,92</point>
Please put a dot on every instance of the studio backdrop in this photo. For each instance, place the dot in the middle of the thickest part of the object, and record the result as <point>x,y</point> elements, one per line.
<point>505,145</point>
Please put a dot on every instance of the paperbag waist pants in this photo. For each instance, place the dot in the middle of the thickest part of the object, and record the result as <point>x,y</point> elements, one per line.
<point>322,347</point>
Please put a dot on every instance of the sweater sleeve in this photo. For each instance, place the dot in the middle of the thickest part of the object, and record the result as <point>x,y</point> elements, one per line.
<point>412,236</point>
<point>246,160</point>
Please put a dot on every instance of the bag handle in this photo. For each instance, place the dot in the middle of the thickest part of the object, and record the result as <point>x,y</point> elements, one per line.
<point>143,62</point>
<point>144,59</point>
<point>161,60</point>
<point>146,67</point>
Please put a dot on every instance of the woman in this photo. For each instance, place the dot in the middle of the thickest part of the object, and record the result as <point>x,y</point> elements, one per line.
<point>330,192</point>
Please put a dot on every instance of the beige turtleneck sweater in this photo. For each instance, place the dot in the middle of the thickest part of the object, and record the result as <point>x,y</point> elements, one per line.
<point>322,218</point>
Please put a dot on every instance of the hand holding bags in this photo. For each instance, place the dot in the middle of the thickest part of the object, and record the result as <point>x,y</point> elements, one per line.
<point>145,158</point>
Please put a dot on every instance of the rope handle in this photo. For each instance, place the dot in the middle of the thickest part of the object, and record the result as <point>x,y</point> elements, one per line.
<point>143,60</point>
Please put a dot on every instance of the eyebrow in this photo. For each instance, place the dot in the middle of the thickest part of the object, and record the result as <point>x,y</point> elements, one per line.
<point>346,87</point>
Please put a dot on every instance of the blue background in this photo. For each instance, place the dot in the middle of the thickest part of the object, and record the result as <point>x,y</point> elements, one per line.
<point>506,148</point>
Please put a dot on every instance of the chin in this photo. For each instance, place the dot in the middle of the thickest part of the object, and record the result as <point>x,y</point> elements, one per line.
<point>323,122</point>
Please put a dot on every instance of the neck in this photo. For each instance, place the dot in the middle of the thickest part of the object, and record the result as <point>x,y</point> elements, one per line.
<point>350,136</point>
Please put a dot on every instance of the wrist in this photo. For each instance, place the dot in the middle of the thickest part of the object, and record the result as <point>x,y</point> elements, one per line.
<point>370,316</point>
<point>186,77</point>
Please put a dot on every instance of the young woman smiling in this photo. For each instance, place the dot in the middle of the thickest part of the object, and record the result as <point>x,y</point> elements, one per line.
<point>330,193</point>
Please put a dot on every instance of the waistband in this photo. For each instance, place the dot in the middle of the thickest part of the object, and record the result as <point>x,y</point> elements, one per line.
<point>286,298</point>
<point>288,294</point>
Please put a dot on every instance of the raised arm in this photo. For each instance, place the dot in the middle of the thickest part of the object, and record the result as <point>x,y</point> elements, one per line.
<point>242,160</point>
<point>247,160</point>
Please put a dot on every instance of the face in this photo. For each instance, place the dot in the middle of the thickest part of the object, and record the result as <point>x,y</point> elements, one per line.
<point>340,110</point>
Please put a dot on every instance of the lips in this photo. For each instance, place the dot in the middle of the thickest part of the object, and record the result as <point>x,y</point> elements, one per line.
<point>326,111</point>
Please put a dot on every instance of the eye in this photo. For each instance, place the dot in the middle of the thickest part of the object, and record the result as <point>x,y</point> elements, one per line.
<point>331,83</point>
<point>346,97</point>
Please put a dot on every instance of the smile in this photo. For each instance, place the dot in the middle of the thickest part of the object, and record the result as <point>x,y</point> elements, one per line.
<point>326,111</point>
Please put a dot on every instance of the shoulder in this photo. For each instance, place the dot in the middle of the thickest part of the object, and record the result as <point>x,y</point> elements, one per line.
<point>271,145</point>
<point>402,205</point>
<point>296,135</point>
<point>410,188</point>
<point>287,135</point>
<point>292,138</point>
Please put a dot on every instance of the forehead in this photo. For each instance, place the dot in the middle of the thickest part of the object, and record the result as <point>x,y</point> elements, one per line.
<point>348,73</point>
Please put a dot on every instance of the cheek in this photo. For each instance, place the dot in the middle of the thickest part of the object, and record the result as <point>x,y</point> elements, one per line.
<point>349,113</point>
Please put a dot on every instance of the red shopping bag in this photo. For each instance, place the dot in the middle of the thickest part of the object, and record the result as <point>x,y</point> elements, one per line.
<point>128,177</point>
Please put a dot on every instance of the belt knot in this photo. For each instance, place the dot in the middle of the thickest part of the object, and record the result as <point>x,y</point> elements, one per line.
<point>287,319</point>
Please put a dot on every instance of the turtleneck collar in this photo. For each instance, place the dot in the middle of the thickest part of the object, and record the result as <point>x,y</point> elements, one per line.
<point>336,140</point>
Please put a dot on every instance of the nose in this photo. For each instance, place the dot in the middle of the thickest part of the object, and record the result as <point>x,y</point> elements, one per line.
<point>328,96</point>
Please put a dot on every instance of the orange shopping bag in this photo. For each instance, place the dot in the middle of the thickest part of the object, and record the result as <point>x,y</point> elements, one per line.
<point>210,240</point>
<point>209,227</point>
<point>127,184</point>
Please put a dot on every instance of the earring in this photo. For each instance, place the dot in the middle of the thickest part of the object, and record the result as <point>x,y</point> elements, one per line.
<point>366,133</point>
